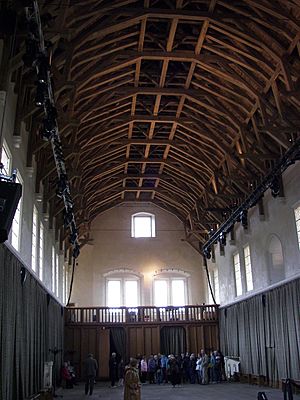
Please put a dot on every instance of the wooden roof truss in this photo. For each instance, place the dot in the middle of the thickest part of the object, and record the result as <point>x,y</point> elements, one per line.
<point>185,104</point>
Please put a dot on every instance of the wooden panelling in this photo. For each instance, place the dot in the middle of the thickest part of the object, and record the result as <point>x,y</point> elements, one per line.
<point>103,353</point>
<point>135,339</point>
<point>141,339</point>
<point>79,343</point>
<point>151,340</point>
<point>211,337</point>
<point>195,334</point>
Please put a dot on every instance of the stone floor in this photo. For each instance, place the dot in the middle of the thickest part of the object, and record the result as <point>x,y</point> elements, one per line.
<point>223,391</point>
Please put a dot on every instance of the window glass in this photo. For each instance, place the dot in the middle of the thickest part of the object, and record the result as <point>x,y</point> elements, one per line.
<point>143,225</point>
<point>248,268</point>
<point>131,293</point>
<point>160,293</point>
<point>178,292</point>
<point>53,269</point>
<point>16,224</point>
<point>34,239</point>
<point>6,159</point>
<point>237,272</point>
<point>297,218</point>
<point>64,285</point>
<point>41,252</point>
<point>122,290</point>
<point>114,293</point>
<point>67,285</point>
<point>57,274</point>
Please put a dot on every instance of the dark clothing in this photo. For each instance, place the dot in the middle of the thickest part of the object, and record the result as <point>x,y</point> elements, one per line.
<point>121,370</point>
<point>90,368</point>
<point>180,367</point>
<point>89,384</point>
<point>174,371</point>
<point>216,362</point>
<point>143,376</point>
<point>185,367</point>
<point>192,370</point>
<point>151,369</point>
<point>113,370</point>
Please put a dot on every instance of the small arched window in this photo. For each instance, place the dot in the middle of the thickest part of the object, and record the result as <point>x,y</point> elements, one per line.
<point>142,225</point>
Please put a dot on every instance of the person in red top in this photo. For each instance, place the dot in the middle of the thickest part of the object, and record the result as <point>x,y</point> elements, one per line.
<point>66,377</point>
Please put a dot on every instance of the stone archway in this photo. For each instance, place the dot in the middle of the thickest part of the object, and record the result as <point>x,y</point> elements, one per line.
<point>275,260</point>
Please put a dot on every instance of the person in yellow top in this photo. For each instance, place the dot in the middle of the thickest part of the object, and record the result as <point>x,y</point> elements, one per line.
<point>132,385</point>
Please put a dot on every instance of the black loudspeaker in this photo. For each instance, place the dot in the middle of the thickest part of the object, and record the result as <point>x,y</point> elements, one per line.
<point>10,194</point>
<point>7,22</point>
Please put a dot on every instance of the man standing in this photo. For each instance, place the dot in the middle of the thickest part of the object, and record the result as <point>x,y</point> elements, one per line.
<point>204,367</point>
<point>113,369</point>
<point>90,368</point>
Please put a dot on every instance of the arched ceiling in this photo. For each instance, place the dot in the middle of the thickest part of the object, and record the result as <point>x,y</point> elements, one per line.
<point>185,104</point>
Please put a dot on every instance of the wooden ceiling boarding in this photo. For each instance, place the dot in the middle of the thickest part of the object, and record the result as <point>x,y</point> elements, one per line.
<point>185,104</point>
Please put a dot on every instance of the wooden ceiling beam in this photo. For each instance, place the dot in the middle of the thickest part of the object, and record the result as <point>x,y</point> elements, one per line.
<point>200,105</point>
<point>206,62</point>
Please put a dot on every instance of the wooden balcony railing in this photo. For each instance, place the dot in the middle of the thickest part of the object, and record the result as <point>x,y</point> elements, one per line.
<point>121,315</point>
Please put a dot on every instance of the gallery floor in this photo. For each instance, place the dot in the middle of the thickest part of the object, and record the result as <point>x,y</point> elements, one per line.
<point>223,391</point>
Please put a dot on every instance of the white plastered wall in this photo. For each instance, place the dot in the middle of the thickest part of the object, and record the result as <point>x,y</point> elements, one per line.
<point>114,248</point>
<point>279,220</point>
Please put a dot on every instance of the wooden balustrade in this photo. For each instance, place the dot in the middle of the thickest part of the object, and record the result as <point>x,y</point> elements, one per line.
<point>145,314</point>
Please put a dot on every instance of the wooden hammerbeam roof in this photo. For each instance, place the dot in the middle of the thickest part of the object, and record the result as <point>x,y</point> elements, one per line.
<point>186,104</point>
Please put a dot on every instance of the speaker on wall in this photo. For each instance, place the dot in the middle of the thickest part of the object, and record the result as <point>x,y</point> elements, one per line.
<point>10,194</point>
<point>8,19</point>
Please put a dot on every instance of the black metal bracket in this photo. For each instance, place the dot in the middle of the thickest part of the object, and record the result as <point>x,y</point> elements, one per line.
<point>290,157</point>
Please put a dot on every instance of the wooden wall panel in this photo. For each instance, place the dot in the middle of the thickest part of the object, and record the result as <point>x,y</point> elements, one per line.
<point>103,353</point>
<point>76,348</point>
<point>203,337</point>
<point>211,337</point>
<point>196,342</point>
<point>140,345</point>
<point>152,340</point>
<point>135,340</point>
<point>141,339</point>
<point>84,350</point>
<point>148,340</point>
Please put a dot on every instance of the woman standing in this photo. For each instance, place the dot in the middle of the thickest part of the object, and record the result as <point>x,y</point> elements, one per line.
<point>144,369</point>
<point>132,385</point>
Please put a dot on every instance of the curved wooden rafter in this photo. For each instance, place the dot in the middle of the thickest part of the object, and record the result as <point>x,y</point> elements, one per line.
<point>185,105</point>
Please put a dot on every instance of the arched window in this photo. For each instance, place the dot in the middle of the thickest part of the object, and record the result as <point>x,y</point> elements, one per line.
<point>142,225</point>
<point>170,288</point>
<point>275,260</point>
<point>122,288</point>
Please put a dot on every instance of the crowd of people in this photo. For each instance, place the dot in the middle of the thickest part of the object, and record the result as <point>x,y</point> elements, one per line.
<point>175,369</point>
<point>156,369</point>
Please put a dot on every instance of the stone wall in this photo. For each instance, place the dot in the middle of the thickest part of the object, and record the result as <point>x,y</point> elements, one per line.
<point>263,236</point>
<point>113,248</point>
